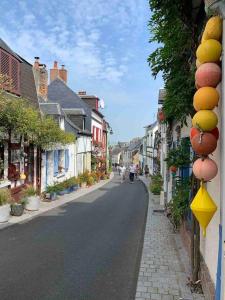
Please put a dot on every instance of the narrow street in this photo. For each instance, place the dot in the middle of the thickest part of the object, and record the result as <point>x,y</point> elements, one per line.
<point>87,249</point>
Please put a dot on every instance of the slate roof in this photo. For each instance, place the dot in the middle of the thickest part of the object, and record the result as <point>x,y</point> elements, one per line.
<point>5,47</point>
<point>74,111</point>
<point>50,108</point>
<point>134,146</point>
<point>59,92</point>
<point>27,83</point>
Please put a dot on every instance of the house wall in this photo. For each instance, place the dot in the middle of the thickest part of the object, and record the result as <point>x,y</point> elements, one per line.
<point>83,149</point>
<point>47,168</point>
<point>209,244</point>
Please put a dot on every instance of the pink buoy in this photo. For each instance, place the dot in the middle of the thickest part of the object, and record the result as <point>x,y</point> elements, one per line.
<point>208,74</point>
<point>205,169</point>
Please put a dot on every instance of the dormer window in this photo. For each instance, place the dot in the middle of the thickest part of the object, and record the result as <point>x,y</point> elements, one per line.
<point>10,66</point>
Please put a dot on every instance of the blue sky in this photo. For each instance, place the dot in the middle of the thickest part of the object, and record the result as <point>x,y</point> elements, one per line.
<point>104,45</point>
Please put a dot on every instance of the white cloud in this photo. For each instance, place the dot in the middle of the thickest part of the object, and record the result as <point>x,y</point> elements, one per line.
<point>88,34</point>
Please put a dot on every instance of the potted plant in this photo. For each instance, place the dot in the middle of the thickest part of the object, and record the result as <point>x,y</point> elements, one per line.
<point>60,189</point>
<point>17,208</point>
<point>90,181</point>
<point>5,198</point>
<point>32,199</point>
<point>51,192</point>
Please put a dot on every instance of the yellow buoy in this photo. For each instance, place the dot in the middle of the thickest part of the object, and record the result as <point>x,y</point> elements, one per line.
<point>209,51</point>
<point>206,120</point>
<point>203,37</point>
<point>203,207</point>
<point>213,28</point>
<point>206,98</point>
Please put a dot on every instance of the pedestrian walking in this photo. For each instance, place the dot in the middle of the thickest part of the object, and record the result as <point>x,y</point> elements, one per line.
<point>122,173</point>
<point>132,172</point>
<point>146,171</point>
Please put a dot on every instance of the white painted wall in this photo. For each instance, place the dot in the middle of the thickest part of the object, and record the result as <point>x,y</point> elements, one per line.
<point>51,179</point>
<point>209,244</point>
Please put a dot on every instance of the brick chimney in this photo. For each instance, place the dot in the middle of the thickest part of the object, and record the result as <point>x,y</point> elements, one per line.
<point>63,73</point>
<point>41,78</point>
<point>82,93</point>
<point>36,62</point>
<point>43,82</point>
<point>54,73</point>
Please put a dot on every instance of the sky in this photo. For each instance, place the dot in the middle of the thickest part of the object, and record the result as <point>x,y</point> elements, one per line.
<point>104,45</point>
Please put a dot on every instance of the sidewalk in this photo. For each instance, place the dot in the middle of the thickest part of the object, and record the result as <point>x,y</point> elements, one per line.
<point>61,200</point>
<point>162,274</point>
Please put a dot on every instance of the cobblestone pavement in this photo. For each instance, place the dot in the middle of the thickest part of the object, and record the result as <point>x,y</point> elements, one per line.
<point>162,274</point>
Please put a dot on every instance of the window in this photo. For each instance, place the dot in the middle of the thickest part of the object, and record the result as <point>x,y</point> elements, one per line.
<point>67,160</point>
<point>10,66</point>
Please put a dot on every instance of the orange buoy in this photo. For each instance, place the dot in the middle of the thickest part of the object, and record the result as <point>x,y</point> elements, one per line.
<point>195,131</point>
<point>206,98</point>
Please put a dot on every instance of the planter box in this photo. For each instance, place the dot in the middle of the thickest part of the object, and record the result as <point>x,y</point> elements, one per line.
<point>17,209</point>
<point>33,203</point>
<point>4,213</point>
<point>67,191</point>
<point>51,196</point>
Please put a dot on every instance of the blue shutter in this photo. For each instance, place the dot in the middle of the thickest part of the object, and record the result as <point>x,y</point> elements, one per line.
<point>67,158</point>
<point>56,162</point>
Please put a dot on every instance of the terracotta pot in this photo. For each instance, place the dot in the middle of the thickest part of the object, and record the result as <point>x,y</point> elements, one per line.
<point>208,74</point>
<point>161,116</point>
<point>206,98</point>
<point>204,143</point>
<point>173,169</point>
<point>205,169</point>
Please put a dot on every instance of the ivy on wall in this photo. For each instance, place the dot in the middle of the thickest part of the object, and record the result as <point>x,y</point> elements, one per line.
<point>176,29</point>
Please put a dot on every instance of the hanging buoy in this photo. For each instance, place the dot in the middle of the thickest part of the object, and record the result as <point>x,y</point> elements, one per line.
<point>209,51</point>
<point>206,98</point>
<point>213,29</point>
<point>204,143</point>
<point>195,131</point>
<point>206,120</point>
<point>205,169</point>
<point>203,207</point>
<point>208,74</point>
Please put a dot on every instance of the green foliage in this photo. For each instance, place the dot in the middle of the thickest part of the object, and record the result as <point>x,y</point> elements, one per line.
<point>16,115</point>
<point>172,27</point>
<point>156,184</point>
<point>29,191</point>
<point>179,156</point>
<point>179,204</point>
<point>5,196</point>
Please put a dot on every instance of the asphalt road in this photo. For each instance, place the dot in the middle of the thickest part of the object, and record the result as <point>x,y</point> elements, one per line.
<point>88,249</point>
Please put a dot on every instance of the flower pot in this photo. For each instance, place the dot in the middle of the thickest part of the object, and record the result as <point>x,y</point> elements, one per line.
<point>53,196</point>
<point>74,188</point>
<point>4,213</point>
<point>33,203</point>
<point>84,184</point>
<point>61,193</point>
<point>67,191</point>
<point>17,209</point>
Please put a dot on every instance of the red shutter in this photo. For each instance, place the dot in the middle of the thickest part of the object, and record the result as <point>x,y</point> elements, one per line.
<point>15,75</point>
<point>10,66</point>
